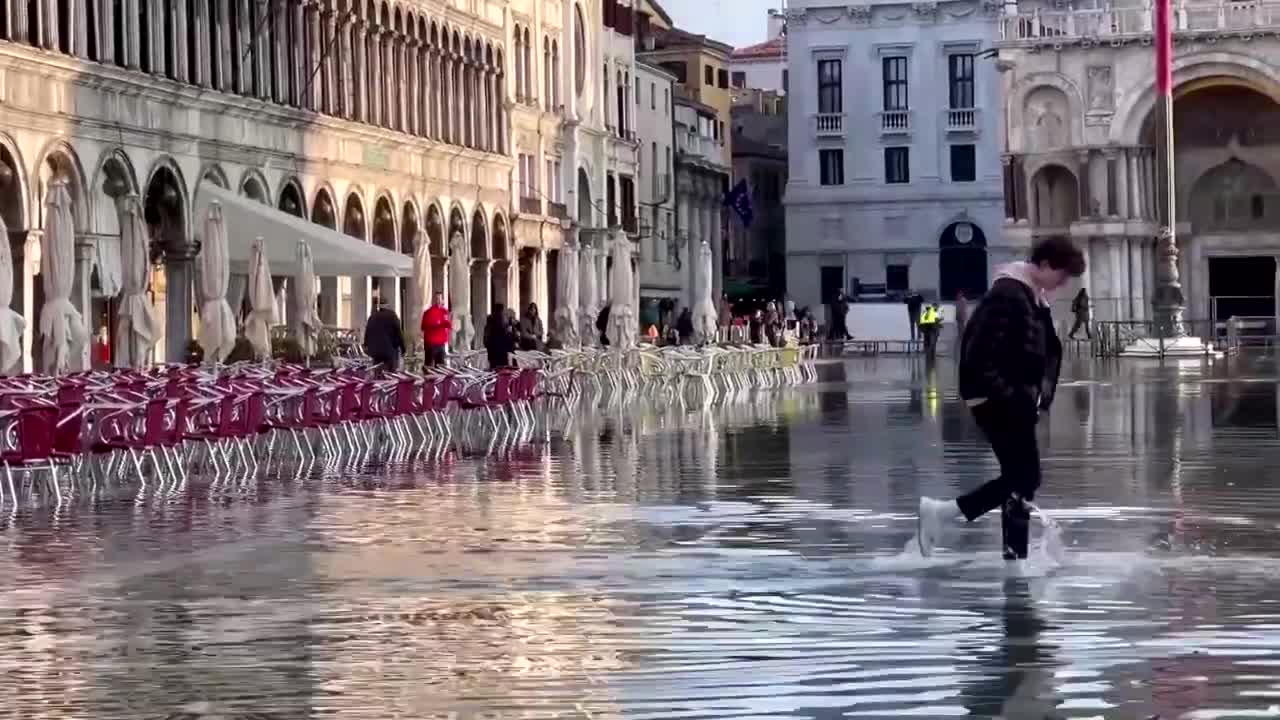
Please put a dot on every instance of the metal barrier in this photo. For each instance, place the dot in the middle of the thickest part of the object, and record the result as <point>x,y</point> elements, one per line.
<point>1251,331</point>
<point>1113,336</point>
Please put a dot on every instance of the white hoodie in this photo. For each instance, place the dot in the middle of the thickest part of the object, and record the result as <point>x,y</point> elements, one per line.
<point>1021,271</point>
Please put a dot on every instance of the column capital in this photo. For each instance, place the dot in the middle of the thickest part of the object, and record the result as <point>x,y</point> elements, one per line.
<point>1110,153</point>
<point>1082,156</point>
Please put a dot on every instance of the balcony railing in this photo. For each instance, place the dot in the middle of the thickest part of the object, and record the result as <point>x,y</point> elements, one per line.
<point>828,124</point>
<point>557,210</point>
<point>694,144</point>
<point>531,205</point>
<point>962,119</point>
<point>1197,17</point>
<point>661,188</point>
<point>895,122</point>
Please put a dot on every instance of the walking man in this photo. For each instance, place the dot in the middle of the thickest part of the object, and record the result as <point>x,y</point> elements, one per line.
<point>1009,364</point>
<point>383,339</point>
<point>915,301</point>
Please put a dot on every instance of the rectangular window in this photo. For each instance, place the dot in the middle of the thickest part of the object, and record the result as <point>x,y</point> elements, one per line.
<point>897,278</point>
<point>963,163</point>
<point>722,79</point>
<point>897,165</point>
<point>637,91</point>
<point>830,86</point>
<point>831,167</point>
<point>653,96</point>
<point>740,80</point>
<point>708,76</point>
<point>960,75</point>
<point>666,100</point>
<point>551,179</point>
<point>785,80</point>
<point>894,70</point>
<point>679,69</point>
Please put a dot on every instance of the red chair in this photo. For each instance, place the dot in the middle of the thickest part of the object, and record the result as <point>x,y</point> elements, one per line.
<point>34,425</point>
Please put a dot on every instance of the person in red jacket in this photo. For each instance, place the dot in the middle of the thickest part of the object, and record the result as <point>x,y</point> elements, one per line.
<point>436,327</point>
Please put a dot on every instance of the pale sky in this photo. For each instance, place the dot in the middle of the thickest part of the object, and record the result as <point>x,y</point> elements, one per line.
<point>736,22</point>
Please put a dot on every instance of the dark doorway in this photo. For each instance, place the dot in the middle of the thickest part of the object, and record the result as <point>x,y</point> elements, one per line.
<point>962,261</point>
<point>1242,286</point>
<point>832,282</point>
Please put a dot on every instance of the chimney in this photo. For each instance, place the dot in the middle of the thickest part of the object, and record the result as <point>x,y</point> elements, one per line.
<point>777,22</point>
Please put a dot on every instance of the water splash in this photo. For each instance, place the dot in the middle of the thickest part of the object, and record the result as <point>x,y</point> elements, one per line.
<point>1051,550</point>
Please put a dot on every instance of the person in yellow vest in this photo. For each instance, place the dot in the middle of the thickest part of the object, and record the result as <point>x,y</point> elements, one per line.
<point>930,324</point>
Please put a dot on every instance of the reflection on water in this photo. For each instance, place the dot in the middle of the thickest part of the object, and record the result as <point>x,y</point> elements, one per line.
<point>734,562</point>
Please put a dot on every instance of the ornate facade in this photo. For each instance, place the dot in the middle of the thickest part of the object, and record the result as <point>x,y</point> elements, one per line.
<point>384,120</point>
<point>1085,150</point>
<point>894,170</point>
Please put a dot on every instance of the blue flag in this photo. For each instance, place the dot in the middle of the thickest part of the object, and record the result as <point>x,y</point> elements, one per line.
<point>740,200</point>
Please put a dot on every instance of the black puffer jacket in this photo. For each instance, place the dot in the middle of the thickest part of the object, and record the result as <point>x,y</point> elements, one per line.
<point>1010,353</point>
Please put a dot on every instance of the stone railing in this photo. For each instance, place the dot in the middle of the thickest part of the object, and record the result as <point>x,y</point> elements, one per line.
<point>1040,27</point>
<point>895,122</point>
<point>828,124</point>
<point>962,119</point>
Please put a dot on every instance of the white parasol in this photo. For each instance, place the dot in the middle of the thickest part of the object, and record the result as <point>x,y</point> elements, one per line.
<point>304,295</point>
<point>12,324</point>
<point>587,294</point>
<point>262,302</point>
<point>217,322</point>
<point>61,324</point>
<point>704,308</point>
<point>420,290</point>
<point>566,318</point>
<point>137,329</point>
<point>621,330</point>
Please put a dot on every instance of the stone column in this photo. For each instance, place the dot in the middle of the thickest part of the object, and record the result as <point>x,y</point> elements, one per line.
<point>329,67</point>
<point>261,49</point>
<point>1117,277</point>
<point>448,103</point>
<point>156,18</point>
<point>179,270</point>
<point>106,34</point>
<point>299,60</point>
<point>1137,278</point>
<point>1084,187</point>
<point>315,47</point>
<point>81,296</point>
<point>280,51</point>
<point>80,28</point>
<point>1006,171</point>
<point>375,77</point>
<point>345,62</point>
<point>1137,203</point>
<point>717,248</point>
<point>224,48</point>
<point>199,74</point>
<point>1123,185</point>
<point>1149,183</point>
<point>179,48</point>
<point>243,33</point>
<point>434,85</point>
<point>359,68</point>
<point>1019,189</point>
<point>1110,203</point>
<point>482,119</point>
<point>413,89</point>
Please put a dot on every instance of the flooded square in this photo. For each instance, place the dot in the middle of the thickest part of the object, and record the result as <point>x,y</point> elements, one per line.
<point>739,560</point>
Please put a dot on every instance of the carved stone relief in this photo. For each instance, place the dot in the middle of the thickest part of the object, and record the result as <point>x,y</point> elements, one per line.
<point>1101,89</point>
<point>860,14</point>
<point>925,11</point>
<point>1047,117</point>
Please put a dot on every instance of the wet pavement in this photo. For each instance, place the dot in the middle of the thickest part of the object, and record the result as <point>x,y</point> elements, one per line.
<point>744,561</point>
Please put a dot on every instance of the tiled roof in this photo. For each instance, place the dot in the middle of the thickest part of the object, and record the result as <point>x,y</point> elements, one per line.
<point>774,48</point>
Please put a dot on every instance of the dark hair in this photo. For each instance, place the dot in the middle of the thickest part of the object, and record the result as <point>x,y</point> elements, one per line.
<point>1060,254</point>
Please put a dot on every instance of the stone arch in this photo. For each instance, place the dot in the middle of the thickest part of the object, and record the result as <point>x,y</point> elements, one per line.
<point>116,178</point>
<point>383,230</point>
<point>292,199</point>
<point>433,223</point>
<point>1233,196</point>
<point>1035,89</point>
<point>324,211</point>
<point>166,164</point>
<point>586,210</point>
<point>501,240</point>
<point>962,259</point>
<point>15,187</point>
<point>58,159</point>
<point>1135,108</point>
<point>354,222</point>
<point>253,184</point>
<point>479,234</point>
<point>582,51</point>
<point>410,224</point>
<point>1048,121</point>
<point>457,221</point>
<point>1055,196</point>
<point>214,173</point>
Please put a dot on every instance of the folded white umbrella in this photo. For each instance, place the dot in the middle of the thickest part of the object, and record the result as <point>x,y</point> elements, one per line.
<point>587,295</point>
<point>420,291</point>
<point>262,302</point>
<point>217,322</point>
<point>567,314</point>
<point>621,334</point>
<point>61,324</point>
<point>304,288</point>
<point>460,288</point>
<point>704,309</point>
<point>12,324</point>
<point>137,329</point>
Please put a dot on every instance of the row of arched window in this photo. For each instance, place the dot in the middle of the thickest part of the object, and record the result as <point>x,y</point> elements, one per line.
<point>526,71</point>
<point>356,59</point>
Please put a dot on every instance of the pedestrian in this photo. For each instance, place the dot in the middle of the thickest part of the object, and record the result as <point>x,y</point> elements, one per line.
<point>684,327</point>
<point>838,330</point>
<point>915,303</point>
<point>1009,364</point>
<point>436,326</point>
<point>383,338</point>
<point>531,329</point>
<point>962,315</point>
<point>499,337</point>
<point>1080,308</point>
<point>930,327</point>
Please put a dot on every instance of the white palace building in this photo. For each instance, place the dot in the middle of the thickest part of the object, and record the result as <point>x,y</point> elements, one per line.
<point>384,121</point>
<point>1084,148</point>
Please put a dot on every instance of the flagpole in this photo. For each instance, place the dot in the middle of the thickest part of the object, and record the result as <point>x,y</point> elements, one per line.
<point>1168,296</point>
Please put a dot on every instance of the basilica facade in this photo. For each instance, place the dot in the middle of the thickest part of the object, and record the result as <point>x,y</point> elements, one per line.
<point>1084,150</point>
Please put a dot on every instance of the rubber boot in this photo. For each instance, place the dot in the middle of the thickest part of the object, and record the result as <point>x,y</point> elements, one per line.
<point>1015,527</point>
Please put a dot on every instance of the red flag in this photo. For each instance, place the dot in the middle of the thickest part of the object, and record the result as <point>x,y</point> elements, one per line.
<point>1164,47</point>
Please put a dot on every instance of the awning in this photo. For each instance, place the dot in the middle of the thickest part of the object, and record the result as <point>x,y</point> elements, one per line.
<point>334,254</point>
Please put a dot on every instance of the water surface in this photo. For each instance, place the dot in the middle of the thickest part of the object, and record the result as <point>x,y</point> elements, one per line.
<point>742,561</point>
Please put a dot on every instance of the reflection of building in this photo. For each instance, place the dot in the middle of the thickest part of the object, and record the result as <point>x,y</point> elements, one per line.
<point>1085,147</point>
<point>379,122</point>
<point>900,116</point>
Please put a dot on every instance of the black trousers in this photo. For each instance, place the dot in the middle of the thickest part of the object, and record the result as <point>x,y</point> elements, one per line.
<point>1013,440</point>
<point>1081,322</point>
<point>435,355</point>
